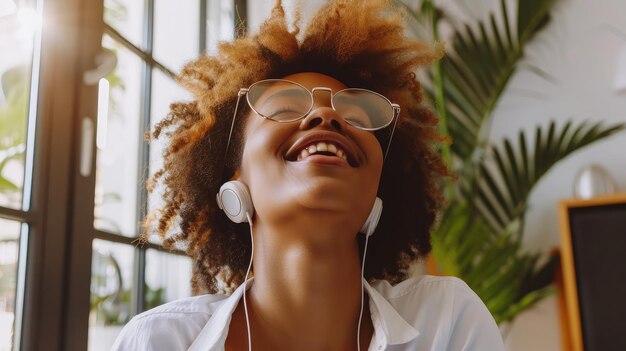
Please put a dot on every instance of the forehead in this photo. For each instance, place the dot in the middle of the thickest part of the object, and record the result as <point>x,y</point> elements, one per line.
<point>311,80</point>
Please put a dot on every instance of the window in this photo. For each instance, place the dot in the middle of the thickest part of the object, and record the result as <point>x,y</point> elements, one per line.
<point>19,69</point>
<point>151,40</point>
<point>71,273</point>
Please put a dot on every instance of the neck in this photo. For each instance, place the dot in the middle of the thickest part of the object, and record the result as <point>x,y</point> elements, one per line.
<point>307,287</point>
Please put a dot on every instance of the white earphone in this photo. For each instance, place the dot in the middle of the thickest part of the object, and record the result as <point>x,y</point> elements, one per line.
<point>234,199</point>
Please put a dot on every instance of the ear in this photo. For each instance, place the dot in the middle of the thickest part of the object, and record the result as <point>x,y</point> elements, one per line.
<point>236,174</point>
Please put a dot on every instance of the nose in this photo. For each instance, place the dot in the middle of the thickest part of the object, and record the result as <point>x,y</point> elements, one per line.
<point>324,117</point>
<point>323,114</point>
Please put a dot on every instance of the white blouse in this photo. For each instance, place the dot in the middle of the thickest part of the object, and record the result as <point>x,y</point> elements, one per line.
<point>426,313</point>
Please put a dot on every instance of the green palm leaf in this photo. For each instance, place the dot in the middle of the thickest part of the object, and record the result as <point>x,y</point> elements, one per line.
<point>504,181</point>
<point>452,248</point>
<point>478,236</point>
<point>507,280</point>
<point>478,67</point>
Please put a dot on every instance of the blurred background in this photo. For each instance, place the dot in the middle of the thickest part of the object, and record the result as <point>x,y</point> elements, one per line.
<point>533,94</point>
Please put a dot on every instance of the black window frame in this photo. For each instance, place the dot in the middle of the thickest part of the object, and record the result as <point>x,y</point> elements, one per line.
<point>60,217</point>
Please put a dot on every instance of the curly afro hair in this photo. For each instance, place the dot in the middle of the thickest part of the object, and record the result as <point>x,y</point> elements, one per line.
<point>360,43</point>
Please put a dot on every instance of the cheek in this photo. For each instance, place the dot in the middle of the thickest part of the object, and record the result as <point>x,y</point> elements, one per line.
<point>263,171</point>
<point>374,151</point>
<point>261,156</point>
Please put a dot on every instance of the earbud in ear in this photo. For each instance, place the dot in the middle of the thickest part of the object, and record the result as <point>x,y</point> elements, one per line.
<point>234,199</point>
<point>371,222</point>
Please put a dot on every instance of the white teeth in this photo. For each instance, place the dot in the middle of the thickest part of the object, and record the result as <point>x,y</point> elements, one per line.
<point>341,154</point>
<point>321,147</point>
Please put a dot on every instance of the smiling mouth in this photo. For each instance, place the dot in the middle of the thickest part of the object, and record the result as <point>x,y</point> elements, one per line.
<point>322,148</point>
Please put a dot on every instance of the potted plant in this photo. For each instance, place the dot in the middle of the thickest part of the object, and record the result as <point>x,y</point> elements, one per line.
<point>478,237</point>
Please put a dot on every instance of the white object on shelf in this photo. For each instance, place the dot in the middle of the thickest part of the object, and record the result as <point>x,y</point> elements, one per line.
<point>592,181</point>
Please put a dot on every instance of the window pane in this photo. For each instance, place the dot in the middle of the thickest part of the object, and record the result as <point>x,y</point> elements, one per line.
<point>126,17</point>
<point>164,92</point>
<point>117,167</point>
<point>9,252</point>
<point>220,23</point>
<point>176,32</point>
<point>168,278</point>
<point>111,292</point>
<point>17,29</point>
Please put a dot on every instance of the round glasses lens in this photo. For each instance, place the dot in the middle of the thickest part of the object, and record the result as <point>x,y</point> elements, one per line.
<point>279,100</point>
<point>363,109</point>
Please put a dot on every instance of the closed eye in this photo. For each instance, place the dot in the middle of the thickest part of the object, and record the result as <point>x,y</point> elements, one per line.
<point>277,112</point>
<point>355,116</point>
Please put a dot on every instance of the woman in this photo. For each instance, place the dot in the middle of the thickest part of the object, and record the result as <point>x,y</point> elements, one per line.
<point>299,136</point>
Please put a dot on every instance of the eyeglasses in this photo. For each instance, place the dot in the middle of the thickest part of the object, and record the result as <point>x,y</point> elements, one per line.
<point>285,101</point>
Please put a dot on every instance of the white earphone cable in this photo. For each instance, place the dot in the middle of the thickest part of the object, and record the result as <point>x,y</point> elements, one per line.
<point>358,333</point>
<point>245,304</point>
<point>245,281</point>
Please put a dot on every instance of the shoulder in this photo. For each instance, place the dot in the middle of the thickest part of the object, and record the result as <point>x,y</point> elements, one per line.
<point>171,326</point>
<point>421,284</point>
<point>445,309</point>
<point>423,289</point>
<point>428,297</point>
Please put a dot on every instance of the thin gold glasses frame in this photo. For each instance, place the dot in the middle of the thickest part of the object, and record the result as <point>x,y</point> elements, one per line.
<point>244,91</point>
<point>311,102</point>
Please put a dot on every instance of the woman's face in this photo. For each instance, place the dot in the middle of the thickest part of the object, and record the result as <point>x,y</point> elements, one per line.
<point>285,181</point>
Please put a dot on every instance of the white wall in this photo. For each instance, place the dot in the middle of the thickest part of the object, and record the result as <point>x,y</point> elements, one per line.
<point>580,49</point>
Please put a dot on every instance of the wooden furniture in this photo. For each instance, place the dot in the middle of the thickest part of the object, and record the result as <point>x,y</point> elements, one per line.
<point>593,262</point>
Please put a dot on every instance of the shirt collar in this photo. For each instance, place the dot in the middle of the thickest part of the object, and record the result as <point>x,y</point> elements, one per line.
<point>215,330</point>
<point>389,326</point>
